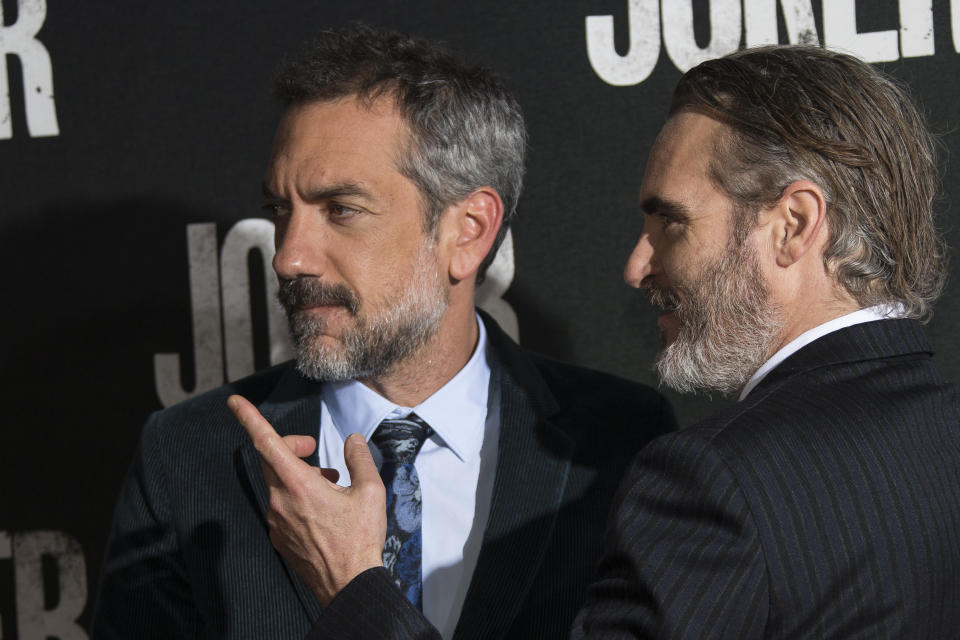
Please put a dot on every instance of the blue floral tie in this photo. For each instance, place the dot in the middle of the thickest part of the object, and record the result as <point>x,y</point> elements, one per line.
<point>399,441</point>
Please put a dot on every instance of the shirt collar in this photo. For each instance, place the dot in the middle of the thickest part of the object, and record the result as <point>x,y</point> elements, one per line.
<point>456,412</point>
<point>878,312</point>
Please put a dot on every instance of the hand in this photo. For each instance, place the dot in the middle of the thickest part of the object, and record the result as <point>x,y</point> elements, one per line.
<point>329,534</point>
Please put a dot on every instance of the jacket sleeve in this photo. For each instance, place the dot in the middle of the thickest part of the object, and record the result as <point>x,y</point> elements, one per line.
<point>370,607</point>
<point>144,591</point>
<point>681,557</point>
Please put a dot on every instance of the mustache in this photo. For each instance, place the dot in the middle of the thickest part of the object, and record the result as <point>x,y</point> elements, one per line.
<point>302,293</point>
<point>662,297</point>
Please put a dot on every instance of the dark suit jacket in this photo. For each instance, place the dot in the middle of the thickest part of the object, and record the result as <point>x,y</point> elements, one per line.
<point>189,554</point>
<point>825,505</point>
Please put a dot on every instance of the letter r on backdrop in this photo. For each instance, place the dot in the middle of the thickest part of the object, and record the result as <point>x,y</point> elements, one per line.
<point>19,39</point>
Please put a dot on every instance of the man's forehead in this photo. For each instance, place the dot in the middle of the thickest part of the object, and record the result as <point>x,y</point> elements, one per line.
<point>349,119</point>
<point>689,134</point>
<point>341,140</point>
<point>683,149</point>
<point>678,180</point>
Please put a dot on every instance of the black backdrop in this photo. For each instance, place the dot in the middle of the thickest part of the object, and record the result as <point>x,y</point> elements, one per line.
<point>132,147</point>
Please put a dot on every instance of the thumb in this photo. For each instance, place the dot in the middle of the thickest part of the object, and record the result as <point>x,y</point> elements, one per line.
<point>356,454</point>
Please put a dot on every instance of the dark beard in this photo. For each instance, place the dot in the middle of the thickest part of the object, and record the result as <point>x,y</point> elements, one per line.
<point>377,341</point>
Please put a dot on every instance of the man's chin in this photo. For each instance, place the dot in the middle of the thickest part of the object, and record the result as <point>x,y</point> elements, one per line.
<point>324,365</point>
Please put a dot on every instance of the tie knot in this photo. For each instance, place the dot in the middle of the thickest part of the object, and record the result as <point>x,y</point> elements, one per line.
<point>400,440</point>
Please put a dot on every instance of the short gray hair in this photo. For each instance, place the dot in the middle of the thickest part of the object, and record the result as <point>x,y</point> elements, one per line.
<point>466,130</point>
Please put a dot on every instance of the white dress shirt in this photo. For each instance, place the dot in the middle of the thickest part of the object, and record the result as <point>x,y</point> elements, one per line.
<point>879,312</point>
<point>456,467</point>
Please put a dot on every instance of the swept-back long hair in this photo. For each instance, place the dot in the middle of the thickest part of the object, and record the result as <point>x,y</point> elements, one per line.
<point>803,112</point>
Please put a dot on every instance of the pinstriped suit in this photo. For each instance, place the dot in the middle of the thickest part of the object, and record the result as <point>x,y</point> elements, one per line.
<point>825,505</point>
<point>190,557</point>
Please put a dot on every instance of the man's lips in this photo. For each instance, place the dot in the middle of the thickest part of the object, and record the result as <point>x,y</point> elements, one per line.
<point>323,306</point>
<point>666,315</point>
<point>668,322</point>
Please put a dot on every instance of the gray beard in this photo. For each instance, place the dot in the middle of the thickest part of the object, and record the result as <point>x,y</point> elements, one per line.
<point>377,342</point>
<point>727,327</point>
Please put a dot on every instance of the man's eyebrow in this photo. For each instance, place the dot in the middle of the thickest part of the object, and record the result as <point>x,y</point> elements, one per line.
<point>655,205</point>
<point>326,192</point>
<point>268,193</point>
<point>337,190</point>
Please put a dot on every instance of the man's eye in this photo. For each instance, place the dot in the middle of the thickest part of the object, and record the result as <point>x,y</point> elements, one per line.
<point>340,211</point>
<point>276,210</point>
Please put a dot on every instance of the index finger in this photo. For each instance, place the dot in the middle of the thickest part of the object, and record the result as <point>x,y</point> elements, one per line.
<point>273,450</point>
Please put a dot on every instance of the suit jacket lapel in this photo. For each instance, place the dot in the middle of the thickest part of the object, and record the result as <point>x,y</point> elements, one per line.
<point>532,465</point>
<point>293,408</point>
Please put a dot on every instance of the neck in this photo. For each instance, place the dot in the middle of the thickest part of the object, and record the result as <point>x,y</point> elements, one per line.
<point>410,382</point>
<point>805,313</point>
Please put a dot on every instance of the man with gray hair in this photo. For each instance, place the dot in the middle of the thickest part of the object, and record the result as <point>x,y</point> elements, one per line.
<point>789,236</point>
<point>394,173</point>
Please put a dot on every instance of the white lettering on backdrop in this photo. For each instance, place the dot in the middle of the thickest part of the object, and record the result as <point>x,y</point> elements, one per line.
<point>33,554</point>
<point>652,23</point>
<point>19,39</point>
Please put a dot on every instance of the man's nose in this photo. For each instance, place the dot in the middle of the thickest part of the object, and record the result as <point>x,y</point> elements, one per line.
<point>641,263</point>
<point>301,241</point>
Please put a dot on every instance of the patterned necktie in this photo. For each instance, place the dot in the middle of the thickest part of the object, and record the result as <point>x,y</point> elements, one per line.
<point>399,442</point>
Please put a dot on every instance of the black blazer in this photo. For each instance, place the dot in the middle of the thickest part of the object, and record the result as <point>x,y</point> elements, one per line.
<point>825,505</point>
<point>189,555</point>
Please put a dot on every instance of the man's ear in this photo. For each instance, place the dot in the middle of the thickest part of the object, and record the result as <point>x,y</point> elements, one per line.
<point>476,221</point>
<point>797,221</point>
